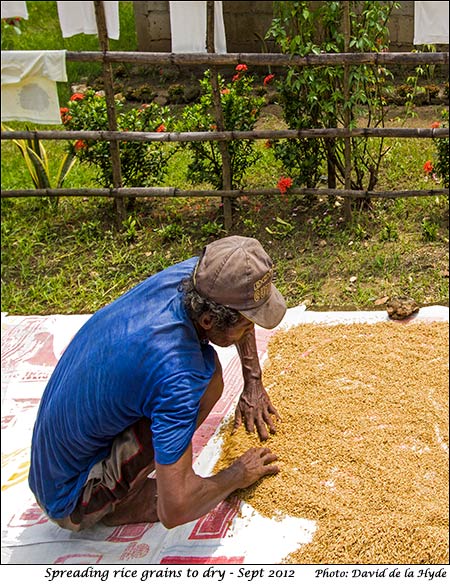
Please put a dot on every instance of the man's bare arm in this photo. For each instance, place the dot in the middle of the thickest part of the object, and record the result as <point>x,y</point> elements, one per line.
<point>184,496</point>
<point>254,406</point>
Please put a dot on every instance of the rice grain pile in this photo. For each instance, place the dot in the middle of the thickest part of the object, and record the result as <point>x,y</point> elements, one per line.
<point>363,441</point>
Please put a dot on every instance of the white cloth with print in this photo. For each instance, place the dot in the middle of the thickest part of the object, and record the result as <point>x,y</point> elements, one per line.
<point>430,23</point>
<point>188,27</point>
<point>232,533</point>
<point>29,90</point>
<point>79,17</point>
<point>14,10</point>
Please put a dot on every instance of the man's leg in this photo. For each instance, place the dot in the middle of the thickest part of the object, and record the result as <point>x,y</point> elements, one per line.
<point>140,505</point>
<point>118,490</point>
<point>115,483</point>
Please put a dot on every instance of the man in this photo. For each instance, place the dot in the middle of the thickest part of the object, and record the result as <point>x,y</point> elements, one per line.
<point>137,380</point>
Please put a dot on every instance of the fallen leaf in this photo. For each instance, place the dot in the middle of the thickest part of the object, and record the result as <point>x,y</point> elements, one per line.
<point>382,300</point>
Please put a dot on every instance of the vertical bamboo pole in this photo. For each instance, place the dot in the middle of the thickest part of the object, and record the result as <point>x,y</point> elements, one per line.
<point>110,107</point>
<point>223,147</point>
<point>347,141</point>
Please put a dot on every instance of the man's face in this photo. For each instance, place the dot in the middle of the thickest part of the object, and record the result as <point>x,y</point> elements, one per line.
<point>232,335</point>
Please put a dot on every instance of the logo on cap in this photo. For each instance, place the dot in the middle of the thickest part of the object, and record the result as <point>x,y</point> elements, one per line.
<point>262,286</point>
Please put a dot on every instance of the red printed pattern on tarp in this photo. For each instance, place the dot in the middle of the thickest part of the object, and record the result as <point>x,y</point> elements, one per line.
<point>31,516</point>
<point>135,551</point>
<point>202,560</point>
<point>217,522</point>
<point>79,559</point>
<point>131,532</point>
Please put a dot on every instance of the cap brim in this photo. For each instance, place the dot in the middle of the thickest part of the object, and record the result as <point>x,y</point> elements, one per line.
<point>269,314</point>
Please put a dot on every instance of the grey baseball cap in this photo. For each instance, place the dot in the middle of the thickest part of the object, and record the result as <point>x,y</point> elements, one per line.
<point>236,272</point>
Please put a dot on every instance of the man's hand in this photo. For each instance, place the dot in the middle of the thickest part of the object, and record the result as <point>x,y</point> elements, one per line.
<point>255,409</point>
<point>255,464</point>
<point>184,496</point>
<point>254,406</point>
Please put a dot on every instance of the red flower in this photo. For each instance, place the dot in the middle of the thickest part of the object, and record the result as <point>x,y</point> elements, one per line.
<point>80,144</point>
<point>77,97</point>
<point>13,21</point>
<point>63,111</point>
<point>235,77</point>
<point>225,91</point>
<point>161,128</point>
<point>241,67</point>
<point>428,167</point>
<point>268,79</point>
<point>436,125</point>
<point>284,184</point>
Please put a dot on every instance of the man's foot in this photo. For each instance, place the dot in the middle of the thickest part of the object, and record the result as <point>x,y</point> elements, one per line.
<point>138,507</point>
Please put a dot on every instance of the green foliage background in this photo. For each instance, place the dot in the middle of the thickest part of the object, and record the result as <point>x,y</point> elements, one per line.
<point>76,260</point>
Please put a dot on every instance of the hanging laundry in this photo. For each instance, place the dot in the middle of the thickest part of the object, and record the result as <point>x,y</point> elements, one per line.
<point>14,10</point>
<point>79,17</point>
<point>29,90</point>
<point>188,27</point>
<point>430,23</point>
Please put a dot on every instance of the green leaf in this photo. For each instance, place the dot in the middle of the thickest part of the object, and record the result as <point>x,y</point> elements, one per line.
<point>65,167</point>
<point>43,180</point>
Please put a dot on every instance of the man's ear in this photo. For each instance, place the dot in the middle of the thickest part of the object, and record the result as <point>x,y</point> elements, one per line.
<point>206,321</point>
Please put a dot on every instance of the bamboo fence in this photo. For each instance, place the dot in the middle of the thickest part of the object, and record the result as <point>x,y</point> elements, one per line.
<point>212,61</point>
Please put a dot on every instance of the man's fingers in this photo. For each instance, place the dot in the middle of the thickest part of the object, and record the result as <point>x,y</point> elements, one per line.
<point>262,430</point>
<point>249,424</point>
<point>274,412</point>
<point>268,457</point>
<point>272,469</point>
<point>270,423</point>
<point>263,420</point>
<point>237,420</point>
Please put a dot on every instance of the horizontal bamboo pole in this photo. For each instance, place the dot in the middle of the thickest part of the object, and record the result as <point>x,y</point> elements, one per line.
<point>175,192</point>
<point>263,59</point>
<point>226,135</point>
<point>233,59</point>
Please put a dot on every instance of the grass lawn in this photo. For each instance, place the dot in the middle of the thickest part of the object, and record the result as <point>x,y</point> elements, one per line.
<point>75,260</point>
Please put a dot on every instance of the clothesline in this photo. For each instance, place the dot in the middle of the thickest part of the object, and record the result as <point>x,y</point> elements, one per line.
<point>187,22</point>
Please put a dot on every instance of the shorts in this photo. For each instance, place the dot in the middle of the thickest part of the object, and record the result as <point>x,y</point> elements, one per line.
<point>110,480</point>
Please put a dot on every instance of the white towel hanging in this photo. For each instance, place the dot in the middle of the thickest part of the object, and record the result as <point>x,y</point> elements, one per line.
<point>14,10</point>
<point>79,17</point>
<point>430,23</point>
<point>188,27</point>
<point>29,90</point>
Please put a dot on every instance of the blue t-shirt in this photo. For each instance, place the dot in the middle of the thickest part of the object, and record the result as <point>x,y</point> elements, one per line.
<point>140,356</point>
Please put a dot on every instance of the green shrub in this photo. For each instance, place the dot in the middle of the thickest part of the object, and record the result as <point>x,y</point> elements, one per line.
<point>441,165</point>
<point>37,163</point>
<point>143,164</point>
<point>240,112</point>
<point>315,97</point>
